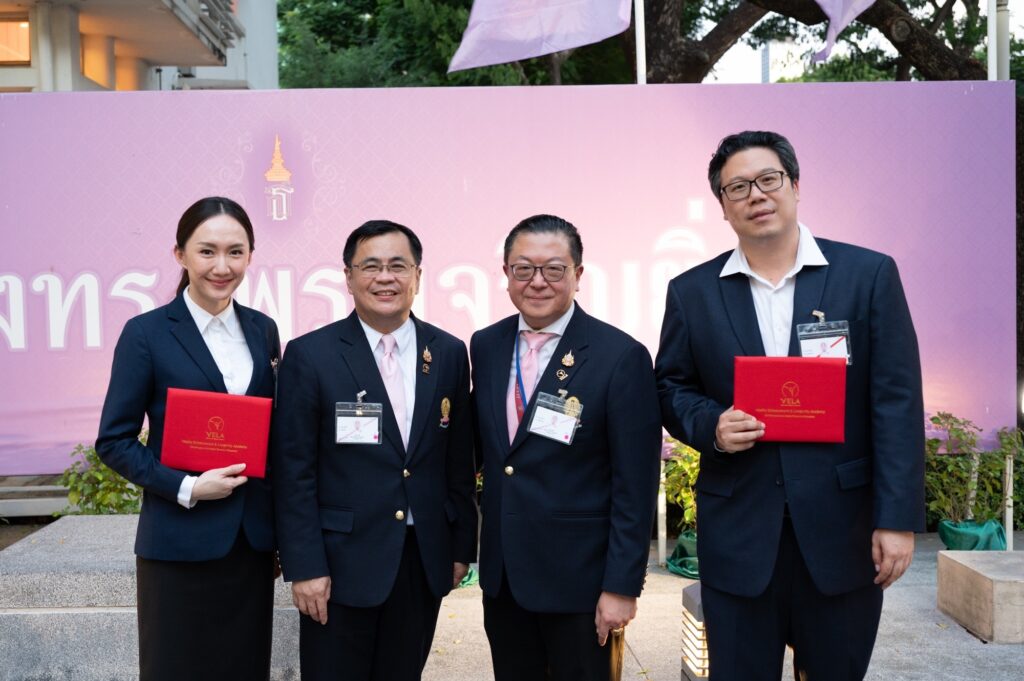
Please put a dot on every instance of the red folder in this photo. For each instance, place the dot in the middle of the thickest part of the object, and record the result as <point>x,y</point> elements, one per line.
<point>799,399</point>
<point>204,430</point>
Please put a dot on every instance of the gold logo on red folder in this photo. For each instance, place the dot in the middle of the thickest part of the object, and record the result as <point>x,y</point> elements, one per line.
<point>215,428</point>
<point>790,394</point>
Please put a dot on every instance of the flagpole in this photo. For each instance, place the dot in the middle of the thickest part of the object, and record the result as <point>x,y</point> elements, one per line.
<point>641,42</point>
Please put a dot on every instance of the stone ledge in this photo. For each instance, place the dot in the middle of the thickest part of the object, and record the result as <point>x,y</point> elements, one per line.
<point>984,592</point>
<point>68,591</point>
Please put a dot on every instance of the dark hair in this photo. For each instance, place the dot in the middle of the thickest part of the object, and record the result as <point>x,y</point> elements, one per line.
<point>201,211</point>
<point>548,224</point>
<point>745,140</point>
<point>372,228</point>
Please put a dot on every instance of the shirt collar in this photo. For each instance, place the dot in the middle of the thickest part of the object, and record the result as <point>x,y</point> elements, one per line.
<point>556,327</point>
<point>807,254</point>
<point>203,318</point>
<point>405,335</point>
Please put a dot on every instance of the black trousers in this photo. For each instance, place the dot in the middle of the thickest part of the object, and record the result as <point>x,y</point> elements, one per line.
<point>208,620</point>
<point>538,646</point>
<point>389,642</point>
<point>832,636</point>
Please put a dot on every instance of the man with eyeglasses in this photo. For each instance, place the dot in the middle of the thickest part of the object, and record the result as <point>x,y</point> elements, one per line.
<point>797,540</point>
<point>569,434</point>
<point>373,471</point>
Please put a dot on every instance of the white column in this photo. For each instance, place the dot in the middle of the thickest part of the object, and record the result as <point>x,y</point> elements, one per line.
<point>98,63</point>
<point>44,45</point>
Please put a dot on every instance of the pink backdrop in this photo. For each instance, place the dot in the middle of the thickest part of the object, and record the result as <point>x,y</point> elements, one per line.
<point>92,185</point>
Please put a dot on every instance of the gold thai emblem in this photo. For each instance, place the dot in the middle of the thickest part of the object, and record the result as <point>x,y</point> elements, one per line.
<point>572,407</point>
<point>446,409</point>
<point>568,360</point>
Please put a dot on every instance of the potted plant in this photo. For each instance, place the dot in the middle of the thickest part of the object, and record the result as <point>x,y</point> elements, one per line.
<point>954,467</point>
<point>681,468</point>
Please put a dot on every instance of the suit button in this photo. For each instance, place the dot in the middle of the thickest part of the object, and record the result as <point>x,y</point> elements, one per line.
<point>399,515</point>
<point>406,473</point>
<point>509,470</point>
<point>778,481</point>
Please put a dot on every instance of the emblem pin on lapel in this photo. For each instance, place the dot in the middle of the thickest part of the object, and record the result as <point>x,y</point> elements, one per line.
<point>446,408</point>
<point>561,375</point>
<point>427,359</point>
<point>568,360</point>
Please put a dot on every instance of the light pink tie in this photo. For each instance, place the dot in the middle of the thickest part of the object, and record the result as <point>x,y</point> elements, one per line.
<point>393,383</point>
<point>528,367</point>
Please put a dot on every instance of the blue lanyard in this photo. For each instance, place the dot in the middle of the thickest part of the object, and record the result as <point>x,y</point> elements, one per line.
<point>519,375</point>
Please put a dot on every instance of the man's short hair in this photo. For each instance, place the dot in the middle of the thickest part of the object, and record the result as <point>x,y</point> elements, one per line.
<point>538,224</point>
<point>373,228</point>
<point>747,139</point>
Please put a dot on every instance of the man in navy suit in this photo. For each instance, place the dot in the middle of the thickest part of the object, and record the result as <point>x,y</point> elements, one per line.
<point>569,433</point>
<point>796,540</point>
<point>373,466</point>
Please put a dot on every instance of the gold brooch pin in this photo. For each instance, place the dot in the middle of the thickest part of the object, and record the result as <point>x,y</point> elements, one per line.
<point>561,375</point>
<point>427,357</point>
<point>572,407</point>
<point>446,408</point>
<point>568,360</point>
<point>426,368</point>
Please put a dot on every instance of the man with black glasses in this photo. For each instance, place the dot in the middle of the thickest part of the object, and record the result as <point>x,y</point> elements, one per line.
<point>797,539</point>
<point>373,471</point>
<point>569,433</point>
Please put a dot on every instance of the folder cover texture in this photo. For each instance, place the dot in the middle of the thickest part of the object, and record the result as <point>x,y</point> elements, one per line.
<point>799,399</point>
<point>204,430</point>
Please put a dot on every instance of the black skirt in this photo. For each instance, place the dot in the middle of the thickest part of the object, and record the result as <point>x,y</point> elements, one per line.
<point>208,619</point>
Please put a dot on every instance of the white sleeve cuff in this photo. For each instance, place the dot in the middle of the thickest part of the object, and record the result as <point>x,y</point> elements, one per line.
<point>185,491</point>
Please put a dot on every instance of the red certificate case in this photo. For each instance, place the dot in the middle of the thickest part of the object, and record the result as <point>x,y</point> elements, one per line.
<point>799,399</point>
<point>204,430</point>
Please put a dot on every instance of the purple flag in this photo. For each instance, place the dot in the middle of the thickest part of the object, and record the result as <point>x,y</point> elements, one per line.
<point>840,13</point>
<point>501,31</point>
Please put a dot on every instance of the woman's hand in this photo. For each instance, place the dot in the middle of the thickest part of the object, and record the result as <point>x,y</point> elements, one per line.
<point>218,483</point>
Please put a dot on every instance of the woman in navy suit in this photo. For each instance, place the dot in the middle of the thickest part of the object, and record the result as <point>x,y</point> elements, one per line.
<point>204,546</point>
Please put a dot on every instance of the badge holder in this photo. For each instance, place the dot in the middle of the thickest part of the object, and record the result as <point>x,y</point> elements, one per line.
<point>358,422</point>
<point>825,339</point>
<point>556,418</point>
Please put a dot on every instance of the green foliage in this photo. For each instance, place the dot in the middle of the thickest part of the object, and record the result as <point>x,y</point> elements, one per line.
<point>949,463</point>
<point>866,65</point>
<point>680,477</point>
<point>95,488</point>
<point>396,43</point>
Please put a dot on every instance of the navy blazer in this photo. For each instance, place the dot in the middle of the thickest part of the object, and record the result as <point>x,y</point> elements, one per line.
<point>163,349</point>
<point>837,493</point>
<point>568,522</point>
<point>337,503</point>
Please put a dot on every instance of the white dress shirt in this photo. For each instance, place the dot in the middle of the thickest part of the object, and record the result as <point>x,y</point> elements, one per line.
<point>773,303</point>
<point>224,338</point>
<point>407,356</point>
<point>556,328</point>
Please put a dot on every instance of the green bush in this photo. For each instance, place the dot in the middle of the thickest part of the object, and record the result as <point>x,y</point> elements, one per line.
<point>948,464</point>
<point>94,488</point>
<point>680,477</point>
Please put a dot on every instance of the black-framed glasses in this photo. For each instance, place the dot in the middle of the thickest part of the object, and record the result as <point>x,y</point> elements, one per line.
<point>373,268</point>
<point>766,182</point>
<point>524,272</point>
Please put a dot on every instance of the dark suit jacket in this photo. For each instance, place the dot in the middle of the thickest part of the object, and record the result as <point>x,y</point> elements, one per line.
<point>837,493</point>
<point>163,349</point>
<point>337,502</point>
<point>568,522</point>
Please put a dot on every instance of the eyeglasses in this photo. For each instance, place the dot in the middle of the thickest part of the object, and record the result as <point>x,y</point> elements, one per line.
<point>551,273</point>
<point>766,182</point>
<point>398,269</point>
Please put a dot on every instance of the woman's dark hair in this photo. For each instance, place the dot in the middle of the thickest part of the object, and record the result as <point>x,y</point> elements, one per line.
<point>201,211</point>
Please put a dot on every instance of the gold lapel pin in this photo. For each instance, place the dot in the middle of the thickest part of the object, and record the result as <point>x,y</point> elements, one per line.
<point>568,360</point>
<point>427,357</point>
<point>572,407</point>
<point>561,374</point>
<point>426,368</point>
<point>446,409</point>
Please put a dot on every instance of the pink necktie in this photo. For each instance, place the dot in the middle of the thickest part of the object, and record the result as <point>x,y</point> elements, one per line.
<point>528,367</point>
<point>394,384</point>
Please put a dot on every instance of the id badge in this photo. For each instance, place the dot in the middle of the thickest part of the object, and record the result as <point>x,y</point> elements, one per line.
<point>556,418</point>
<point>358,422</point>
<point>825,339</point>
